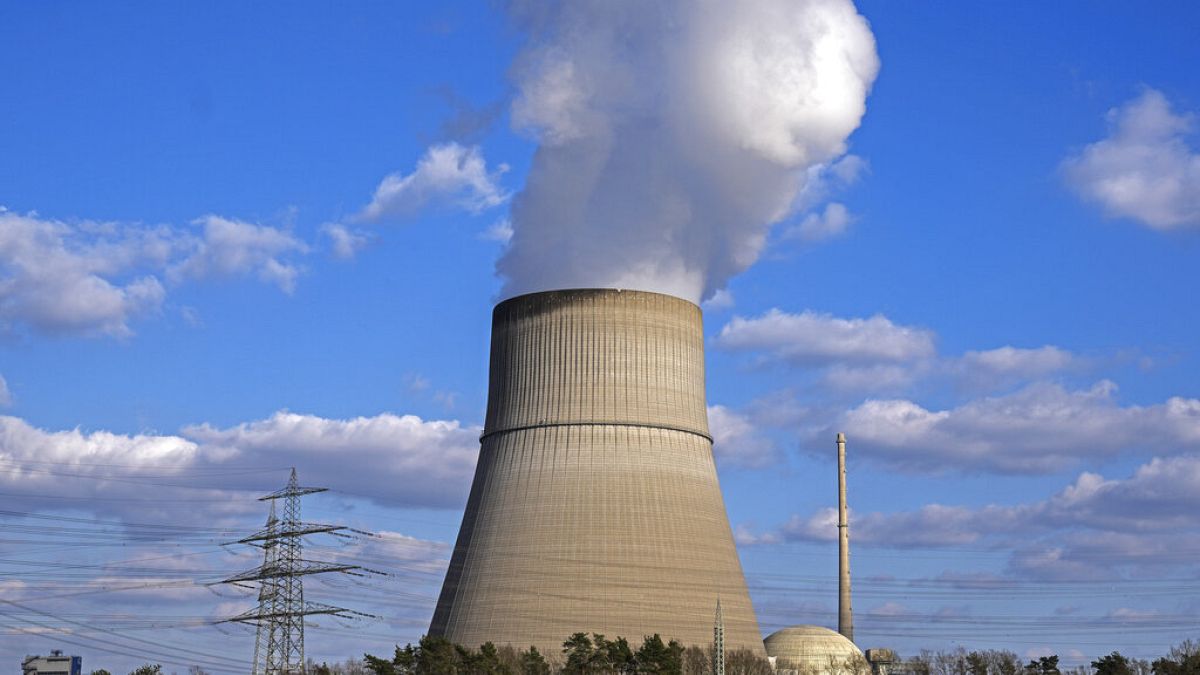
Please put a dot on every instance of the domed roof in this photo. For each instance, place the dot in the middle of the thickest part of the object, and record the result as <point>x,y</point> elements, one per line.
<point>814,650</point>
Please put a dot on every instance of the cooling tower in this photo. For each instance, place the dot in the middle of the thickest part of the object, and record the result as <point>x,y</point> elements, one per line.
<point>595,505</point>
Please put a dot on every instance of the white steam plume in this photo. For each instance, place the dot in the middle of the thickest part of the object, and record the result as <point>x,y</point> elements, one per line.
<point>673,134</point>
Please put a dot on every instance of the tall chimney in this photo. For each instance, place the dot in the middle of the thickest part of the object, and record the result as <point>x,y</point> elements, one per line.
<point>595,505</point>
<point>845,615</point>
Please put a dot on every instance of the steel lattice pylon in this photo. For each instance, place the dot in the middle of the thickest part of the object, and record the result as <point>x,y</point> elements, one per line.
<point>279,617</point>
<point>266,595</point>
<point>719,642</point>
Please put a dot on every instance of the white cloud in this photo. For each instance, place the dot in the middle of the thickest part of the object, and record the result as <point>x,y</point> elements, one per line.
<point>416,382</point>
<point>399,550</point>
<point>448,174</point>
<point>1012,361</point>
<point>931,525</point>
<point>1043,427</point>
<point>191,316</point>
<point>825,179</point>
<point>396,459</point>
<point>1087,530</point>
<point>500,231</point>
<point>831,222</point>
<point>231,248</point>
<point>877,355</point>
<point>91,468</point>
<point>722,299</point>
<point>6,397</point>
<point>84,277</point>
<point>890,609</point>
<point>812,338</point>
<point>344,242</point>
<point>744,536</point>
<point>877,377</point>
<point>91,278</point>
<point>390,459</point>
<point>737,441</point>
<point>1162,495</point>
<point>20,441</point>
<point>1144,169</point>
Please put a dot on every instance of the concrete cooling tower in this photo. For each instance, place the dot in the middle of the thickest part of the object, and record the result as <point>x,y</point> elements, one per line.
<point>595,505</point>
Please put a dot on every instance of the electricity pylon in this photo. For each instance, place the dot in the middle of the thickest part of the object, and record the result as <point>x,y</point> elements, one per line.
<point>719,642</point>
<point>279,642</point>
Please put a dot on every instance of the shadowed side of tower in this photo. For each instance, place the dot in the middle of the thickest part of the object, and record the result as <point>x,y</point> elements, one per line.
<point>595,505</point>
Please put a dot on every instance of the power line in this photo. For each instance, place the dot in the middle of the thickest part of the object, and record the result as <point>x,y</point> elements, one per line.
<point>279,617</point>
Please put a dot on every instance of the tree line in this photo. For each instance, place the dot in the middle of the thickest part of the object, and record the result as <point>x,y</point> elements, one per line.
<point>595,654</point>
<point>581,654</point>
<point>1182,659</point>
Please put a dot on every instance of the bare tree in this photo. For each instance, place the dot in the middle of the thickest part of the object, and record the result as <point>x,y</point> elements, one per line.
<point>745,662</point>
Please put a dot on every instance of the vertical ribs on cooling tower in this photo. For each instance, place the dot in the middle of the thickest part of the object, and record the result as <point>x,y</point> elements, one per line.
<point>595,505</point>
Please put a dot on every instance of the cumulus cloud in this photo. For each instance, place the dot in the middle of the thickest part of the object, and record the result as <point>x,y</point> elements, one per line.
<point>737,440</point>
<point>722,299</point>
<point>86,277</point>
<point>877,377</point>
<point>744,536</point>
<point>344,242</point>
<point>20,441</point>
<point>448,174</point>
<point>391,459</point>
<point>1004,367</point>
<point>411,554</point>
<point>877,355</point>
<point>673,135</point>
<point>500,231</point>
<point>822,180</point>
<point>1040,428</point>
<point>1087,529</point>
<point>100,465</point>
<point>93,278</point>
<point>1145,169</point>
<point>831,222</point>
<point>397,459</point>
<point>1013,361</point>
<point>231,248</point>
<point>812,338</point>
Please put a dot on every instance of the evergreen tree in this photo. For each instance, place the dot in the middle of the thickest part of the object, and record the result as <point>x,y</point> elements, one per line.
<point>379,666</point>
<point>533,663</point>
<point>437,656</point>
<point>655,656</point>
<point>1113,664</point>
<point>579,652</point>
<point>1046,665</point>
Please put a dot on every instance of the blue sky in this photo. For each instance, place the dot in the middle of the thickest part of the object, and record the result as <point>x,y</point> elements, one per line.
<point>242,238</point>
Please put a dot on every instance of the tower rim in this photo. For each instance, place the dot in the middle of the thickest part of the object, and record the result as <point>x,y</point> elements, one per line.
<point>581,290</point>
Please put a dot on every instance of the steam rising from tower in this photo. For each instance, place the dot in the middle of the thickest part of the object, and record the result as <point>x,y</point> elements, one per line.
<point>595,505</point>
<point>673,134</point>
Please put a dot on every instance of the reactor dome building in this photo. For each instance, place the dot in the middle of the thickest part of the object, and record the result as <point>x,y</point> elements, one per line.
<point>595,505</point>
<point>814,650</point>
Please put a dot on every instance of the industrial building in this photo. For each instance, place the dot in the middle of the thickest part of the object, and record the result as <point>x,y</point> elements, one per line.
<point>55,664</point>
<point>814,650</point>
<point>595,504</point>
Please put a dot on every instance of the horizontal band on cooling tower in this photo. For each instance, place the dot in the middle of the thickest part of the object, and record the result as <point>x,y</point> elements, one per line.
<point>548,425</point>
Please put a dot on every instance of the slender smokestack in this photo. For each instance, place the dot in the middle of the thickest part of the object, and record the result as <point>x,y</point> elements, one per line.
<point>845,615</point>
